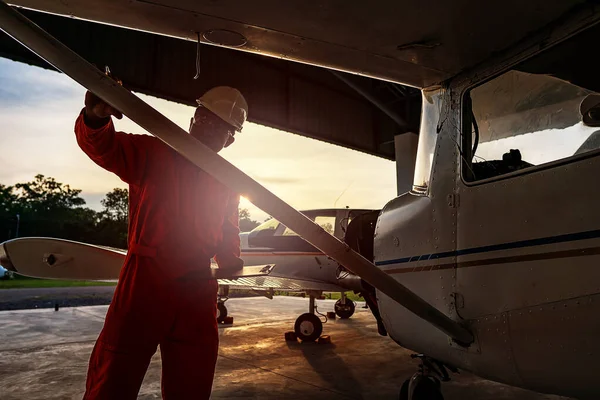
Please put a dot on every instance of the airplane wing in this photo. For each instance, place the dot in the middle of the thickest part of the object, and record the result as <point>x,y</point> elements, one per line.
<point>65,259</point>
<point>279,284</point>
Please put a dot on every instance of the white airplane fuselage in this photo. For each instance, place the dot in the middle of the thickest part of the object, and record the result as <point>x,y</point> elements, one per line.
<point>513,257</point>
<point>293,257</point>
<point>305,265</point>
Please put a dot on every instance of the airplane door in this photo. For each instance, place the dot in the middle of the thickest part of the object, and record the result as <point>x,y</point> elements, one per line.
<point>528,227</point>
<point>527,213</point>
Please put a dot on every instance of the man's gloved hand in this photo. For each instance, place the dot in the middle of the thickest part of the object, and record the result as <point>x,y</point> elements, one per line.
<point>97,112</point>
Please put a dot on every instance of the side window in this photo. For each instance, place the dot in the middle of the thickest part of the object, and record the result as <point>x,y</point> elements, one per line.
<point>327,223</point>
<point>533,114</point>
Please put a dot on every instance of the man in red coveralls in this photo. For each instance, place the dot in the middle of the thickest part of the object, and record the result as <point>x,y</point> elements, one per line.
<point>179,218</point>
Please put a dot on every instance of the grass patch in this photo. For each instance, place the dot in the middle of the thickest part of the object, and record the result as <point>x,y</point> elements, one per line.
<point>20,282</point>
<point>350,295</point>
<point>332,296</point>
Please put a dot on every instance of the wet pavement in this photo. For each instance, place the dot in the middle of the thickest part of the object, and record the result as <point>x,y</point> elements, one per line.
<point>44,355</point>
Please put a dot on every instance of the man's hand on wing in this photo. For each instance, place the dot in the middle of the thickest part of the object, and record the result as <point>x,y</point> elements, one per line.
<point>97,111</point>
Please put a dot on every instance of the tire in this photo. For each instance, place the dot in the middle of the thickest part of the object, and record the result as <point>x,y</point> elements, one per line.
<point>308,327</point>
<point>221,312</point>
<point>404,390</point>
<point>425,390</point>
<point>344,311</point>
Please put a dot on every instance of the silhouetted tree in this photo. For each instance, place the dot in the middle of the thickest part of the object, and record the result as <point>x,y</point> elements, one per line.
<point>116,205</point>
<point>8,212</point>
<point>49,208</point>
<point>113,219</point>
<point>246,223</point>
<point>46,207</point>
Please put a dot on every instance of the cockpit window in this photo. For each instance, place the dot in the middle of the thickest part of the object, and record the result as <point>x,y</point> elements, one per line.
<point>269,225</point>
<point>289,232</point>
<point>327,222</point>
<point>532,115</point>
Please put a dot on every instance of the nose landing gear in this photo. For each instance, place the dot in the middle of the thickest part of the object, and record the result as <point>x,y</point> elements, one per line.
<point>344,307</point>
<point>426,383</point>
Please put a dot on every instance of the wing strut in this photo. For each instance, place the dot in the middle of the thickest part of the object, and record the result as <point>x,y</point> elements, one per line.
<point>61,57</point>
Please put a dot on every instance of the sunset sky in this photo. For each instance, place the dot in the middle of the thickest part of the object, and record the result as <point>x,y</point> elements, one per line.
<point>38,109</point>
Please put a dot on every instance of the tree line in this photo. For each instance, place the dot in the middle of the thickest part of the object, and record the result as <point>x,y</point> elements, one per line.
<point>45,207</point>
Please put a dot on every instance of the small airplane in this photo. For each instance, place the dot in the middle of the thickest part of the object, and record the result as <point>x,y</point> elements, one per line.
<point>275,259</point>
<point>489,262</point>
<point>301,268</point>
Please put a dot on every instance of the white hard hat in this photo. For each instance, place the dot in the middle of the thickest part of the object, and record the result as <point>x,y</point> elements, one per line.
<point>226,103</point>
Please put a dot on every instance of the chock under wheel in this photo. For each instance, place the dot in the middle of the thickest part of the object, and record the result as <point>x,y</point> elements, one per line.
<point>291,336</point>
<point>325,339</point>
<point>227,321</point>
<point>331,315</point>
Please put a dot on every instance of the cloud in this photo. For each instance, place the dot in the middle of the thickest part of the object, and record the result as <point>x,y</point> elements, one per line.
<point>25,86</point>
<point>38,110</point>
<point>277,180</point>
<point>92,200</point>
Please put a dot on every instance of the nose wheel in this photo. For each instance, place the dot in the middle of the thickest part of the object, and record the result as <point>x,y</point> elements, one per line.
<point>422,389</point>
<point>344,308</point>
<point>426,383</point>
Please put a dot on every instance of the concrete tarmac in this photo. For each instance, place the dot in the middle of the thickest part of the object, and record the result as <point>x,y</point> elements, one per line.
<point>75,296</point>
<point>44,355</point>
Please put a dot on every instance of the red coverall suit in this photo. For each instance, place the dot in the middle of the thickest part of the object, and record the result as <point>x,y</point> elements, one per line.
<point>179,218</point>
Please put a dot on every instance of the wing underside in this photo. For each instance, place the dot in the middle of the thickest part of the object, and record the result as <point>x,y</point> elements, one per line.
<point>279,284</point>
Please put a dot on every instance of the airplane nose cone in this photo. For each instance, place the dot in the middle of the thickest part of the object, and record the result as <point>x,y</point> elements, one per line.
<point>4,258</point>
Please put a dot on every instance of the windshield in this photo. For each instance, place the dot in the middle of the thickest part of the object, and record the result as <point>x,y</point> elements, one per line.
<point>327,222</point>
<point>268,225</point>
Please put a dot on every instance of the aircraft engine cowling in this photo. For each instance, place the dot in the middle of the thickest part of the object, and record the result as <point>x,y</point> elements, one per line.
<point>349,280</point>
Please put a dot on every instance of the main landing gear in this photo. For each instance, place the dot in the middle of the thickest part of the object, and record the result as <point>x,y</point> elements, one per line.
<point>426,383</point>
<point>222,297</point>
<point>308,326</point>
<point>221,310</point>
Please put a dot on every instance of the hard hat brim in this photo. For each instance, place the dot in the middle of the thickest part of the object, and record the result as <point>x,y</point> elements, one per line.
<point>591,101</point>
